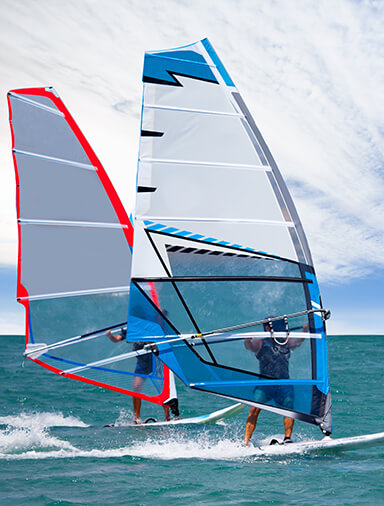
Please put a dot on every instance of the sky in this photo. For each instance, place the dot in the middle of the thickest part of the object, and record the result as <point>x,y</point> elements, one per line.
<point>310,71</point>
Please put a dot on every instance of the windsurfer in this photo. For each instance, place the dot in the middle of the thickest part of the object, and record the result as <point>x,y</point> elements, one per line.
<point>273,356</point>
<point>143,367</point>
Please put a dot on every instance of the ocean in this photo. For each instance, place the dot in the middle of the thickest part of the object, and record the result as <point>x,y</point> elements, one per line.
<point>55,450</point>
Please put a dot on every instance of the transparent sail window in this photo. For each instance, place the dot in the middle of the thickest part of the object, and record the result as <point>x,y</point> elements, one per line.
<point>266,357</point>
<point>189,261</point>
<point>218,304</point>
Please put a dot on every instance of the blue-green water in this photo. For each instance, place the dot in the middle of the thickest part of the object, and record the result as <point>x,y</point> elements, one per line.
<point>54,449</point>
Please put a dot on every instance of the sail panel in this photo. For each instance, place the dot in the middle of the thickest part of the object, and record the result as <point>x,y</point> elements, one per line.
<point>44,131</point>
<point>60,318</point>
<point>238,201</point>
<point>60,258</point>
<point>189,258</point>
<point>195,136</point>
<point>47,185</point>
<point>252,234</point>
<point>209,302</point>
<point>193,94</point>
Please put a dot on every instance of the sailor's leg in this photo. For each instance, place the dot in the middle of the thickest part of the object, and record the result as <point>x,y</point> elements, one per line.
<point>166,413</point>
<point>251,424</point>
<point>136,408</point>
<point>137,386</point>
<point>288,427</point>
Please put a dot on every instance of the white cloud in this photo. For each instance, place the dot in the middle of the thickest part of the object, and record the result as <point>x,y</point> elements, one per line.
<point>311,72</point>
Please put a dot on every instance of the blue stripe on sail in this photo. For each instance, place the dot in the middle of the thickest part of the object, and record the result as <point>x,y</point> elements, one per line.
<point>159,68</point>
<point>79,364</point>
<point>30,334</point>
<point>156,226</point>
<point>321,344</point>
<point>170,230</point>
<point>216,60</point>
<point>150,225</point>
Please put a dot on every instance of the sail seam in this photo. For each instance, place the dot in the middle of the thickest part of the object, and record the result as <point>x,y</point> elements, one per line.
<point>37,104</point>
<point>25,221</point>
<point>56,160</point>
<point>219,278</point>
<point>217,220</point>
<point>213,164</point>
<point>75,293</point>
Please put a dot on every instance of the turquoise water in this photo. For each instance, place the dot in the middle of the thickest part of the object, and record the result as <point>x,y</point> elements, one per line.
<point>54,449</point>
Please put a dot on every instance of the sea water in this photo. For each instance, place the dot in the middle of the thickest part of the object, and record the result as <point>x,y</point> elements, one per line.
<point>54,448</point>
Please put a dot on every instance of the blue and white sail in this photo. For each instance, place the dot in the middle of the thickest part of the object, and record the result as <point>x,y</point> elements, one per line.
<point>218,239</point>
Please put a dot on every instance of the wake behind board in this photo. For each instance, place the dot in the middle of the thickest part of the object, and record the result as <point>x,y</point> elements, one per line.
<point>325,444</point>
<point>215,416</point>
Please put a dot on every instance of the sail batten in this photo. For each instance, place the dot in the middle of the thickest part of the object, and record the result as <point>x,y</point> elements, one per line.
<point>33,103</point>
<point>57,160</point>
<point>200,111</point>
<point>24,221</point>
<point>214,220</point>
<point>208,164</point>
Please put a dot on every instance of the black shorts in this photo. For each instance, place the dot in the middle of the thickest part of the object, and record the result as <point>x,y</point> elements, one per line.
<point>282,396</point>
<point>144,364</point>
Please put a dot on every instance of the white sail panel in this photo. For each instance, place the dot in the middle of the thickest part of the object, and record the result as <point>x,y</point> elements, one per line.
<point>47,186</point>
<point>193,94</point>
<point>44,130</point>
<point>235,185</point>
<point>196,137</point>
<point>60,258</point>
<point>266,236</point>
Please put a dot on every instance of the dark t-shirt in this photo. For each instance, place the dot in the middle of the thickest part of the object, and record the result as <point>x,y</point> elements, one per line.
<point>274,359</point>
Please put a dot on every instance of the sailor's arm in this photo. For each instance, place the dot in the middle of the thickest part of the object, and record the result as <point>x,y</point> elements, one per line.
<point>253,345</point>
<point>295,343</point>
<point>114,339</point>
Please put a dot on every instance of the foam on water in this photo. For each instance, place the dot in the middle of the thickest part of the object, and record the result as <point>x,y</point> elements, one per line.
<point>40,420</point>
<point>124,419</point>
<point>28,432</point>
<point>35,442</point>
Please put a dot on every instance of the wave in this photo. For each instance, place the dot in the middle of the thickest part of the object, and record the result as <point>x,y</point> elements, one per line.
<point>30,432</point>
<point>41,420</point>
<point>42,445</point>
<point>27,436</point>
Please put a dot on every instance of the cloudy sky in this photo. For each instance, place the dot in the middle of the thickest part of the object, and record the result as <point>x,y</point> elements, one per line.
<point>311,72</point>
